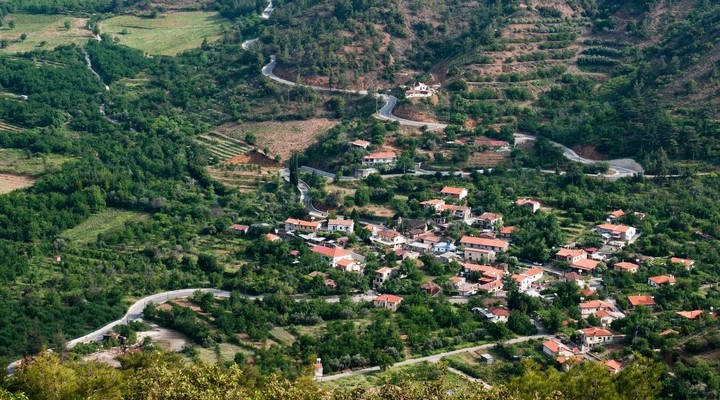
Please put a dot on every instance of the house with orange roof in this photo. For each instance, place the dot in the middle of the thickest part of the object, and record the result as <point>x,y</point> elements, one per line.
<point>478,255</point>
<point>272,237</point>
<point>591,307</point>
<point>486,272</point>
<point>626,266</point>
<point>507,231</point>
<point>615,215</point>
<point>490,220</point>
<point>685,262</point>
<point>616,232</point>
<point>341,225</point>
<point>606,317</point>
<point>646,301</point>
<point>533,204</point>
<point>574,277</point>
<point>456,192</point>
<point>349,265</point>
<point>388,302</point>
<point>383,275</point>
<point>657,281</point>
<point>669,332</point>
<point>292,224</point>
<point>468,289</point>
<point>433,204</point>
<point>613,366</point>
<point>585,265</point>
<point>523,282</point>
<point>389,238</point>
<point>332,255</point>
<point>496,245</point>
<point>533,274</point>
<point>240,229</point>
<point>695,314</point>
<point>556,348</point>
<point>492,286</point>
<point>382,158</point>
<point>592,337</point>
<point>570,256</point>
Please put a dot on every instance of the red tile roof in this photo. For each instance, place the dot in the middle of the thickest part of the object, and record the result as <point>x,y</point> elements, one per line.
<point>389,298</point>
<point>330,252</point>
<point>586,264</point>
<point>570,253</point>
<point>379,155</point>
<point>686,262</point>
<point>662,279</point>
<point>507,230</point>
<point>490,216</point>
<point>614,228</point>
<point>641,300</point>
<point>595,304</point>
<point>343,222</point>
<point>594,332</point>
<point>690,314</point>
<point>627,266</point>
<point>483,241</point>
<point>455,191</point>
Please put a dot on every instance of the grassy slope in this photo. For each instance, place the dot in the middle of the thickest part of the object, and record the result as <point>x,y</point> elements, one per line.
<point>168,34</point>
<point>99,223</point>
<point>39,28</point>
<point>16,162</point>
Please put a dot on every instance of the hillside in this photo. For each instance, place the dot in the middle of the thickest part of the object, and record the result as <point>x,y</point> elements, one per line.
<point>610,78</point>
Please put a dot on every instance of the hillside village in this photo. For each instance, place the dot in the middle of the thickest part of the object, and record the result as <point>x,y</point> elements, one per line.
<point>485,270</point>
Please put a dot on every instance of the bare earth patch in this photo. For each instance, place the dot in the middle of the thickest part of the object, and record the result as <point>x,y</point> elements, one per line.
<point>168,339</point>
<point>10,182</point>
<point>281,138</point>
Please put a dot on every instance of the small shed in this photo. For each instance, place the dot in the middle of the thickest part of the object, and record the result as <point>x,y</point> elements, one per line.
<point>487,358</point>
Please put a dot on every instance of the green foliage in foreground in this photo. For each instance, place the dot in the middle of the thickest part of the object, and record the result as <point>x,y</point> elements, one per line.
<point>156,376</point>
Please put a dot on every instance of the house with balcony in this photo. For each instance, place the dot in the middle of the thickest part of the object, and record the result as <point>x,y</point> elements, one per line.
<point>292,224</point>
<point>570,256</point>
<point>496,245</point>
<point>593,337</point>
<point>616,232</point>
<point>379,159</point>
<point>341,225</point>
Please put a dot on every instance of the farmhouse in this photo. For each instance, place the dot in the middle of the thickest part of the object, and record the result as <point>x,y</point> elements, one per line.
<point>292,224</point>
<point>458,193</point>
<point>585,265</point>
<point>496,245</point>
<point>592,337</point>
<point>617,232</point>
<point>418,90</point>
<point>490,220</point>
<point>589,308</point>
<point>626,266</point>
<point>570,255</point>
<point>388,302</point>
<point>533,204</point>
<point>657,281</point>
<point>333,255</point>
<point>685,262</point>
<point>646,301</point>
<point>341,225</point>
<point>380,158</point>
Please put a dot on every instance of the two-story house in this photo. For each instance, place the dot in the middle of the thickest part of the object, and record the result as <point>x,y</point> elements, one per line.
<point>570,256</point>
<point>496,245</point>
<point>388,302</point>
<point>593,337</point>
<point>341,225</point>
<point>455,192</point>
<point>617,232</point>
<point>292,224</point>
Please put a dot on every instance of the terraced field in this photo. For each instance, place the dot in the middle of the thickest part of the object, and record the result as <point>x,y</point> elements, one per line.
<point>7,127</point>
<point>223,148</point>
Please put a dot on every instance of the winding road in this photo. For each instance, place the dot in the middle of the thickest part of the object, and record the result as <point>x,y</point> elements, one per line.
<point>618,168</point>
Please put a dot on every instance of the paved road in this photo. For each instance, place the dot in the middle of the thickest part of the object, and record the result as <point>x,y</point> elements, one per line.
<point>433,359</point>
<point>619,168</point>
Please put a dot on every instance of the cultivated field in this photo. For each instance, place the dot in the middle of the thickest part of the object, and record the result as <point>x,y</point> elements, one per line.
<point>7,127</point>
<point>281,138</point>
<point>43,31</point>
<point>104,221</point>
<point>10,182</point>
<point>223,148</point>
<point>168,34</point>
<point>19,163</point>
